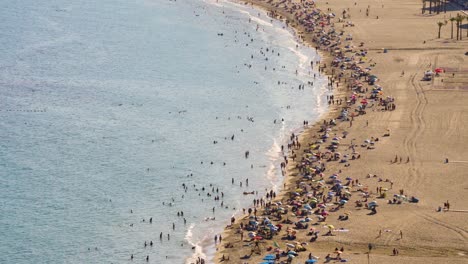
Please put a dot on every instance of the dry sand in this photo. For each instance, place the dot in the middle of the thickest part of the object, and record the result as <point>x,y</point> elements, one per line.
<point>429,124</point>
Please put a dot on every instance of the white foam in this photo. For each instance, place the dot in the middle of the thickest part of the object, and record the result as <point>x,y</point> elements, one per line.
<point>252,14</point>
<point>198,249</point>
<point>213,2</point>
<point>274,154</point>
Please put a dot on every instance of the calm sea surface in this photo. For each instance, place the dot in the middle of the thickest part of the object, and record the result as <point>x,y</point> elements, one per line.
<point>108,107</point>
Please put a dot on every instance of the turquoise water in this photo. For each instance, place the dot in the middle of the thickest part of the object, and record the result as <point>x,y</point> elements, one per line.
<point>109,106</point>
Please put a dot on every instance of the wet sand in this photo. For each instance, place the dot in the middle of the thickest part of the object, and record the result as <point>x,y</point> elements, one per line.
<point>427,126</point>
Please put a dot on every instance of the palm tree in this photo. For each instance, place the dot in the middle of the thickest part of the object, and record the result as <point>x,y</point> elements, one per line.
<point>466,18</point>
<point>452,19</point>
<point>440,24</point>
<point>467,27</point>
<point>459,19</point>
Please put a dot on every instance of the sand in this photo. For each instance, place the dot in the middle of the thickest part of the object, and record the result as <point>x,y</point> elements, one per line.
<point>429,125</point>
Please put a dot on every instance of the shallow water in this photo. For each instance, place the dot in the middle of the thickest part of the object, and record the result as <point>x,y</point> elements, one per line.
<point>109,106</point>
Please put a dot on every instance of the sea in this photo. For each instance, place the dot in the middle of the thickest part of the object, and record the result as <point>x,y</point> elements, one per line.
<point>125,123</point>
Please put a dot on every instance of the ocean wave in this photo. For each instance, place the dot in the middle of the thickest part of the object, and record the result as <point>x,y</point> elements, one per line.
<point>198,250</point>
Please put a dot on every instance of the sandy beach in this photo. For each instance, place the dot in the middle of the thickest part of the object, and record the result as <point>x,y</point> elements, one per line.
<point>385,167</point>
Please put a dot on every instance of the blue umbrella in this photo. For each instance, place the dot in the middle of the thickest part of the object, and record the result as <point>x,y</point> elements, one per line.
<point>311,261</point>
<point>269,257</point>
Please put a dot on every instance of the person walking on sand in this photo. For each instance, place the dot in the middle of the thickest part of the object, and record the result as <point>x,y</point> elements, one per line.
<point>401,234</point>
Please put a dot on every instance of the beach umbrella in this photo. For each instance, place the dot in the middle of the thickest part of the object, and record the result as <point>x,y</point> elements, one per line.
<point>268,262</point>
<point>439,70</point>
<point>310,261</point>
<point>290,245</point>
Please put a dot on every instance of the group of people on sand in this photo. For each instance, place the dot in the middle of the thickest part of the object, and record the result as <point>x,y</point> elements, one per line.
<point>317,191</point>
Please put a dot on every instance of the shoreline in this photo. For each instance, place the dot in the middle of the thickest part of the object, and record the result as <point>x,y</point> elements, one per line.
<point>204,248</point>
<point>230,234</point>
<point>303,131</point>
